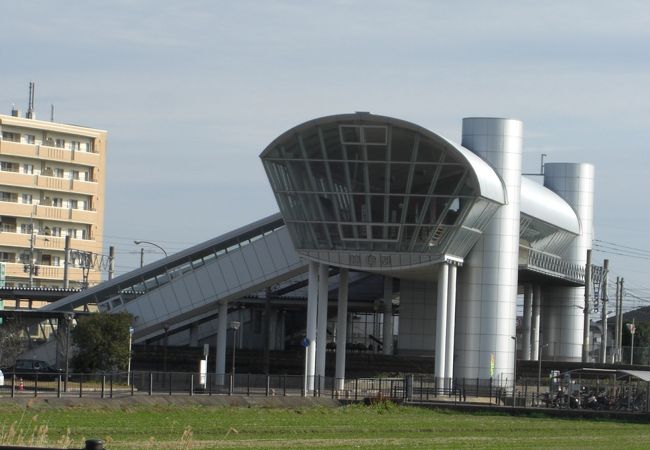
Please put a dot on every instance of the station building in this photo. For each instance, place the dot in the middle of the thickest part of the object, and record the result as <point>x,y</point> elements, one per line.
<point>378,214</point>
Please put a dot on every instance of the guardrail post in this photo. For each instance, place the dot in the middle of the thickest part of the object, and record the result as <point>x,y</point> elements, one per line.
<point>170,383</point>
<point>230,385</point>
<point>191,384</point>
<point>58,386</point>
<point>131,376</point>
<point>13,386</point>
<point>150,383</point>
<point>103,383</point>
<point>111,386</point>
<point>356,388</point>
<point>207,379</point>
<point>36,386</point>
<point>268,382</point>
<point>284,385</point>
<point>81,386</point>
<point>248,385</point>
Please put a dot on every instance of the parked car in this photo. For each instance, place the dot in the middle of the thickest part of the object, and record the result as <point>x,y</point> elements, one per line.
<point>30,369</point>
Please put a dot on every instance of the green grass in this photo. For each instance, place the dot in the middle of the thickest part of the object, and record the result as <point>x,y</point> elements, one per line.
<point>379,426</point>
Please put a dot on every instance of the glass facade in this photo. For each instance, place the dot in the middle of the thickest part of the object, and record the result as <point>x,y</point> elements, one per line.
<point>369,185</point>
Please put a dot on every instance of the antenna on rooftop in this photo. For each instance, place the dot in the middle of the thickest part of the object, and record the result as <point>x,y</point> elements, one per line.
<point>52,113</point>
<point>30,105</point>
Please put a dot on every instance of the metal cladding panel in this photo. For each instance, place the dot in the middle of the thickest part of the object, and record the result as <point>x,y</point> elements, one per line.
<point>489,273</point>
<point>240,267</point>
<point>195,292</point>
<point>216,276</point>
<point>229,274</point>
<point>275,251</point>
<point>165,299</point>
<point>181,292</point>
<point>249,254</point>
<point>544,204</point>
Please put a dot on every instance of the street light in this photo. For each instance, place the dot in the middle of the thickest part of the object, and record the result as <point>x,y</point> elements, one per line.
<point>235,326</point>
<point>128,367</point>
<point>142,250</point>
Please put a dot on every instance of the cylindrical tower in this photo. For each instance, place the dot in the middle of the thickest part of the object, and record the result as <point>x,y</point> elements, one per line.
<point>486,308</point>
<point>563,307</point>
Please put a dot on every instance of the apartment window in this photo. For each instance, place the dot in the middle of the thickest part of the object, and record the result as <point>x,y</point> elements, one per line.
<point>27,199</point>
<point>72,232</point>
<point>8,197</point>
<point>30,139</point>
<point>75,174</point>
<point>58,172</point>
<point>73,204</point>
<point>8,166</point>
<point>56,231</point>
<point>24,228</point>
<point>56,261</point>
<point>28,168</point>
<point>59,143</point>
<point>85,234</point>
<point>9,136</point>
<point>57,202</point>
<point>75,145</point>
<point>7,257</point>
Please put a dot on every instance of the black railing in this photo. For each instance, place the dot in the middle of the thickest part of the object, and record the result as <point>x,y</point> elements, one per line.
<point>606,393</point>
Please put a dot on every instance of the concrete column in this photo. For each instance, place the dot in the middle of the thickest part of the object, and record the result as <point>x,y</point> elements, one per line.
<point>194,335</point>
<point>341,329</point>
<point>564,306</point>
<point>535,323</point>
<point>487,304</point>
<point>388,316</point>
<point>222,339</point>
<point>527,323</point>
<point>312,312</point>
<point>441,320</point>
<point>321,327</point>
<point>451,323</point>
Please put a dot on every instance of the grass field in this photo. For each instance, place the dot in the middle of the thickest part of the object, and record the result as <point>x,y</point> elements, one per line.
<point>355,426</point>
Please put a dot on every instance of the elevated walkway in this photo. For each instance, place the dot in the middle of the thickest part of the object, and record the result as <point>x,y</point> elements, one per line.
<point>185,287</point>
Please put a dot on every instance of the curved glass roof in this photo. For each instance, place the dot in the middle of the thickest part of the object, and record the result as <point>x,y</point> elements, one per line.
<point>360,182</point>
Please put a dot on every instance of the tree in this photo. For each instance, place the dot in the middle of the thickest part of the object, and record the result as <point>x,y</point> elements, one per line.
<point>102,342</point>
<point>12,342</point>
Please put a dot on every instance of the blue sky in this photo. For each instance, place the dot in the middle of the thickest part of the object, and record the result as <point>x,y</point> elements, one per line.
<point>192,91</point>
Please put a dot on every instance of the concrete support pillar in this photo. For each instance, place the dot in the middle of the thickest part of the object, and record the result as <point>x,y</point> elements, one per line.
<point>312,313</point>
<point>535,322</point>
<point>321,326</point>
<point>487,304</point>
<point>388,316</point>
<point>451,323</point>
<point>194,335</point>
<point>441,320</point>
<point>222,339</point>
<point>527,323</point>
<point>341,329</point>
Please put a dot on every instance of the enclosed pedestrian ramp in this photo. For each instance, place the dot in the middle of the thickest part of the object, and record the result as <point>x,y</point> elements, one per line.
<point>184,288</point>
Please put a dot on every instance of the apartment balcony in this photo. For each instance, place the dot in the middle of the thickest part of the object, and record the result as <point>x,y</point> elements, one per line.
<point>65,214</point>
<point>44,243</point>
<point>75,274</point>
<point>18,179</point>
<point>49,153</point>
<point>17,209</point>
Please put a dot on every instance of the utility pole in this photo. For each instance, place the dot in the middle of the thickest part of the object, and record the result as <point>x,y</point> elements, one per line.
<point>615,356</point>
<point>66,263</point>
<point>620,318</point>
<point>603,296</point>
<point>111,262</point>
<point>585,333</point>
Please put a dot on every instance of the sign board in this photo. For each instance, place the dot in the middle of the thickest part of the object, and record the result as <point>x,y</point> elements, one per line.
<point>631,327</point>
<point>206,350</point>
<point>305,342</point>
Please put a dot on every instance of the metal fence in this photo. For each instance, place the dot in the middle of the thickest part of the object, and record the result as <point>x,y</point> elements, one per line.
<point>606,392</point>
